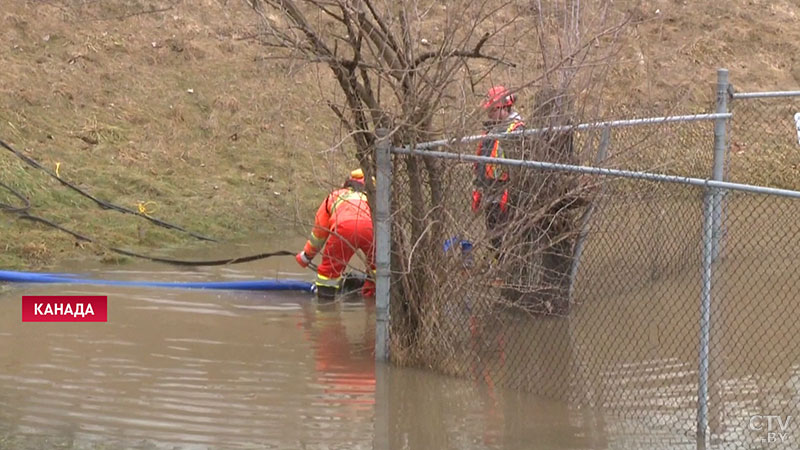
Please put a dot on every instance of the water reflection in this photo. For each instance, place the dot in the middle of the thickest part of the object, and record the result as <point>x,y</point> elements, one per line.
<point>181,369</point>
<point>208,370</point>
<point>342,336</point>
<point>430,411</point>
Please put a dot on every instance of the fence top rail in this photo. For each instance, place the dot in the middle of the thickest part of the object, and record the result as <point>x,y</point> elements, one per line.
<point>579,127</point>
<point>773,94</point>
<point>646,176</point>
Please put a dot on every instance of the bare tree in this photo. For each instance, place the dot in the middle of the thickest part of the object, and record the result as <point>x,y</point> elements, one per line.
<point>414,68</point>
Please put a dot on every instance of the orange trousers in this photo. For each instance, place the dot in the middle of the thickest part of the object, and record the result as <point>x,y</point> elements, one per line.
<point>341,246</point>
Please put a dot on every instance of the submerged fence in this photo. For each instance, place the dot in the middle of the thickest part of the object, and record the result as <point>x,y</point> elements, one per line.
<point>666,298</point>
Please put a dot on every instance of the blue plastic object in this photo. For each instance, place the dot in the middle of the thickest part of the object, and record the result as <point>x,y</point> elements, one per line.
<point>451,242</point>
<point>68,278</point>
<point>466,249</point>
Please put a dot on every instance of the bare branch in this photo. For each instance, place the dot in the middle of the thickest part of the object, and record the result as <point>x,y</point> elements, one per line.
<point>341,116</point>
<point>384,50</point>
<point>322,7</point>
<point>390,41</point>
<point>474,53</point>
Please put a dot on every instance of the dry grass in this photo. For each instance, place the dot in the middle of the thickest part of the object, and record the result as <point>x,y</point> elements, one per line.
<point>166,107</point>
<point>175,108</point>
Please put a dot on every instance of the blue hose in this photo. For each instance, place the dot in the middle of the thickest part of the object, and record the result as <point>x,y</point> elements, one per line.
<point>68,278</point>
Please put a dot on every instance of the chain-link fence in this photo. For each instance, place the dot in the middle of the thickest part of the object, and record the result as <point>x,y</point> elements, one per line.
<point>666,301</point>
<point>625,340</point>
<point>764,139</point>
<point>756,321</point>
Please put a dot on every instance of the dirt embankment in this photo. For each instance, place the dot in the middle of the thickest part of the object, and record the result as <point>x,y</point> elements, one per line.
<point>170,108</point>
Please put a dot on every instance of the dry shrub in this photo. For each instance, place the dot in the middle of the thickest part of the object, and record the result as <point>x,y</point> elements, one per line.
<point>419,71</point>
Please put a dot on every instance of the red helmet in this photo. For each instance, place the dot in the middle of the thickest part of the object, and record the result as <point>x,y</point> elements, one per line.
<point>499,97</point>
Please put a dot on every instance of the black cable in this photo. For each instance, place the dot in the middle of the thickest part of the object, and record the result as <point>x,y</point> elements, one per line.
<point>176,262</point>
<point>102,203</point>
<point>24,213</point>
<point>15,209</point>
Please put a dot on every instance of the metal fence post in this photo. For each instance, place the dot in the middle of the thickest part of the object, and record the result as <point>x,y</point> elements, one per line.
<point>720,152</point>
<point>720,124</point>
<point>705,315</point>
<point>381,439</point>
<point>382,243</point>
<point>711,236</point>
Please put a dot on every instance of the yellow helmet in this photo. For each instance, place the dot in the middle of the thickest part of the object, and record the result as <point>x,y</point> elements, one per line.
<point>357,174</point>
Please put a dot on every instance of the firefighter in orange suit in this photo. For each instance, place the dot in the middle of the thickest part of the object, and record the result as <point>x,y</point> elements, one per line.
<point>491,179</point>
<point>343,224</point>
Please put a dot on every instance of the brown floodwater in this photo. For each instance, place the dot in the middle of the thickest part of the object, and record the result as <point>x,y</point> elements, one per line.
<point>195,369</point>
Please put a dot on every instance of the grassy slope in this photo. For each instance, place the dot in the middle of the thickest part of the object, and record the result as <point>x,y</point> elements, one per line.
<point>155,108</point>
<point>109,99</point>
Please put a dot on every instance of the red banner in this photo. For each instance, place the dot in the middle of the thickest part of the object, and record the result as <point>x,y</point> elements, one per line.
<point>64,308</point>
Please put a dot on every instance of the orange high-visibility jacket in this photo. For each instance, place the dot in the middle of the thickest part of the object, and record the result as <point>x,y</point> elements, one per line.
<point>341,205</point>
<point>488,172</point>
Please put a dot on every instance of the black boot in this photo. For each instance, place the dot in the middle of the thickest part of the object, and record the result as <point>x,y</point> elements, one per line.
<point>326,293</point>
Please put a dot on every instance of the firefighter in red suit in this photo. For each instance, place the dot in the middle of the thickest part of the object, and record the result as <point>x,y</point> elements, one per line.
<point>343,224</point>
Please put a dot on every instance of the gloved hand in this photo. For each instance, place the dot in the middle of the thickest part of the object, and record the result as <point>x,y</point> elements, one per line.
<point>368,290</point>
<point>476,200</point>
<point>302,259</point>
